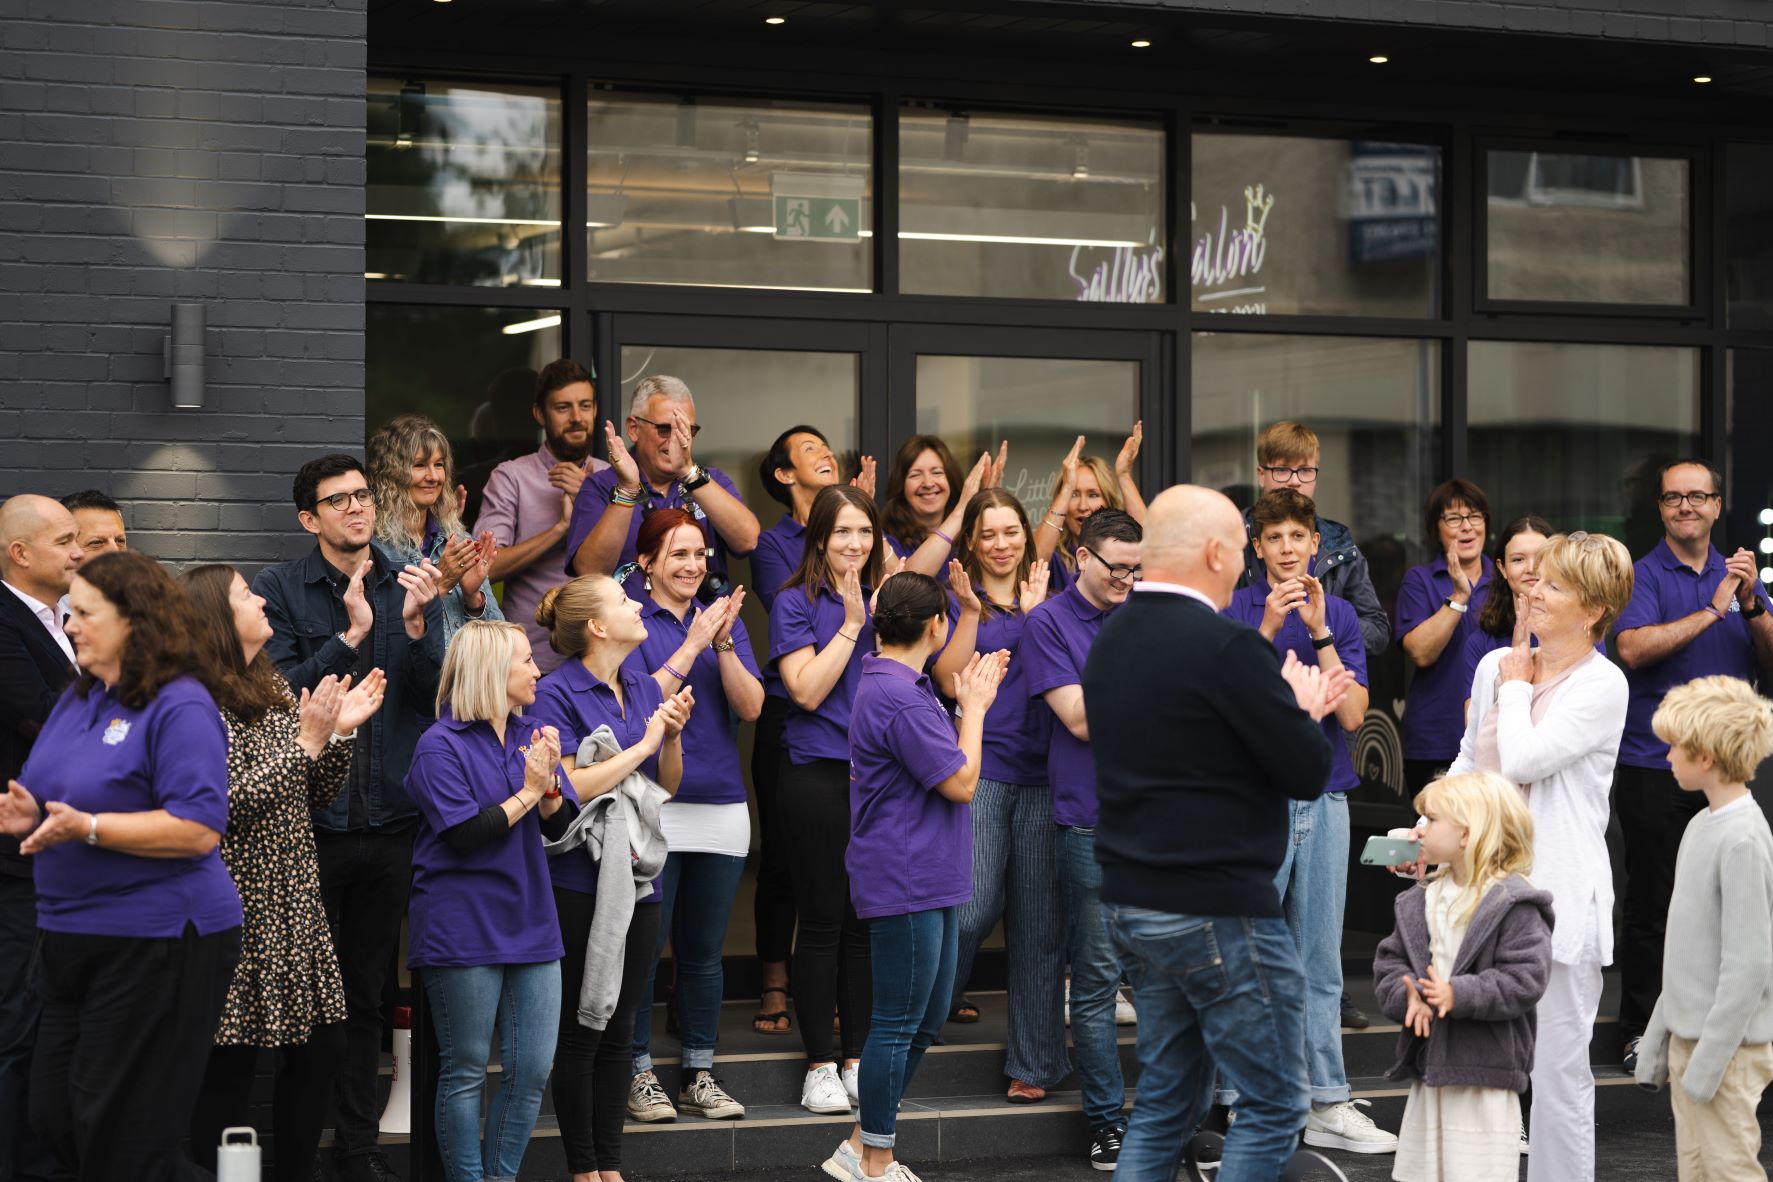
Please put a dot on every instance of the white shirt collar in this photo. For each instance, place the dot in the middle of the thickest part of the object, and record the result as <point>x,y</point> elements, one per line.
<point>49,617</point>
<point>1175,589</point>
<point>1740,803</point>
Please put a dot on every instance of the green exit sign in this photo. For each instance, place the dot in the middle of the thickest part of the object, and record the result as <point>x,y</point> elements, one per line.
<point>818,219</point>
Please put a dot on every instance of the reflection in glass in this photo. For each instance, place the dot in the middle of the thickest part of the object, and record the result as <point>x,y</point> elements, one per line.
<point>730,194</point>
<point>463,183</point>
<point>1587,228</point>
<point>1748,471</point>
<point>1031,207</point>
<point>1283,225</point>
<point>1748,235</point>
<point>1575,433</point>
<point>464,368</point>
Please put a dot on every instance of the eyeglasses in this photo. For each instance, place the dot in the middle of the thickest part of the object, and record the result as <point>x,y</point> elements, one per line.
<point>664,429</point>
<point>1284,474</point>
<point>1455,520</point>
<point>1672,500</point>
<point>1118,574</point>
<point>338,501</point>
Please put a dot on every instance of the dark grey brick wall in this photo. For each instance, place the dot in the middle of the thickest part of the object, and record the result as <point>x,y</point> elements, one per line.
<point>162,151</point>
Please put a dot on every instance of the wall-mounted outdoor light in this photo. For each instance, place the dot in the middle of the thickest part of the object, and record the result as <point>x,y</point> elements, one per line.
<point>184,356</point>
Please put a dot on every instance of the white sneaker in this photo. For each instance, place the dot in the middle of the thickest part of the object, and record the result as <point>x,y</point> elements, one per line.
<point>1345,1126</point>
<point>844,1162</point>
<point>896,1172</point>
<point>647,1100</point>
<point>1123,1009</point>
<point>823,1092</point>
<point>852,1082</point>
<point>704,1096</point>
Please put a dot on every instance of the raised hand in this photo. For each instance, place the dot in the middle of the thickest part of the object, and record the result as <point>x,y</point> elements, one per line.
<point>1437,991</point>
<point>855,609</point>
<point>627,471</point>
<point>994,474</point>
<point>317,713</point>
<point>1742,565</point>
<point>357,610</point>
<point>568,476</point>
<point>421,583</point>
<point>864,479</point>
<point>976,478</point>
<point>486,547</point>
<point>1129,451</point>
<point>1034,587</point>
<point>1312,608</point>
<point>1517,662</point>
<point>676,711</point>
<point>19,813</point>
<point>961,584</point>
<point>459,556</point>
<point>975,686</point>
<point>1282,598</point>
<point>1456,570</point>
<point>542,762</point>
<point>734,602</point>
<point>360,702</point>
<point>708,623</point>
<point>682,439</point>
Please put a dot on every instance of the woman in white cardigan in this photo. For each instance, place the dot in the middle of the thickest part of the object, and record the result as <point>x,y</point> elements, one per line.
<point>1549,719</point>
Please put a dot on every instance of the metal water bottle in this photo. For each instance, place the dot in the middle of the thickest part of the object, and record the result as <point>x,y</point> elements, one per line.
<point>238,1160</point>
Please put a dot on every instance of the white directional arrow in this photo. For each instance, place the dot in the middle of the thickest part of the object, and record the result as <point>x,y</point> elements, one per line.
<point>836,220</point>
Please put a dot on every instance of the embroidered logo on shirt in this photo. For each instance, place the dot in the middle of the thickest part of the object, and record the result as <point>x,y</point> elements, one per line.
<point>116,732</point>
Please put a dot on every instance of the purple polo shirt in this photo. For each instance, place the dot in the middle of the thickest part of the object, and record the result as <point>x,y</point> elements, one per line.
<point>1055,643</point>
<point>1017,731</point>
<point>711,772</point>
<point>519,503</point>
<point>904,551</point>
<point>1434,716</point>
<point>1666,589</point>
<point>100,756</point>
<point>776,558</point>
<point>1247,605</point>
<point>492,905</point>
<point>594,498</point>
<point>795,623</point>
<point>911,848</point>
<point>575,703</point>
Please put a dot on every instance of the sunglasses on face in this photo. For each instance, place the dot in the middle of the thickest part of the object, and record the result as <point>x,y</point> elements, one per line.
<point>664,429</point>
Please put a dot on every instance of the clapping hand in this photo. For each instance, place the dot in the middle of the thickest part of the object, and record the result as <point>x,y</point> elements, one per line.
<point>1742,565</point>
<point>1034,587</point>
<point>541,763</point>
<point>1418,1016</point>
<point>421,583</point>
<point>855,608</point>
<point>1129,451</point>
<point>1284,597</point>
<point>627,471</point>
<point>61,822</point>
<point>975,687</point>
<point>480,560</point>
<point>360,702</point>
<point>675,710</point>
<point>864,480</point>
<point>682,439</point>
<point>1061,501</point>
<point>976,478</point>
<point>568,477</point>
<point>1313,610</point>
<point>1318,693</point>
<point>961,584</point>
<point>709,623</point>
<point>317,713</point>
<point>459,555</point>
<point>994,472</point>
<point>734,602</point>
<point>1517,662</point>
<point>358,613</point>
<point>891,565</point>
<point>1456,571</point>
<point>19,813</point>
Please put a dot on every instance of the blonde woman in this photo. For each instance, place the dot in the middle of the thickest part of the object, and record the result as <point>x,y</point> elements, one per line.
<point>419,516</point>
<point>1086,484</point>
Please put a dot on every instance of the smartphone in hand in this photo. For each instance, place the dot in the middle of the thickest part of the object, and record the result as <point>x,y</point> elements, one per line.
<point>1390,851</point>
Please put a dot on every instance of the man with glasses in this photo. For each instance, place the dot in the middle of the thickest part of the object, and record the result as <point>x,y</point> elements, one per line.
<point>1056,642</point>
<point>346,609</point>
<point>1693,613</point>
<point>660,473</point>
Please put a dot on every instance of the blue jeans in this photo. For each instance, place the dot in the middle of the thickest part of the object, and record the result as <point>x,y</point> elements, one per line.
<point>1213,991</point>
<point>913,958</point>
<point>1095,976</point>
<point>523,1001</point>
<point>1015,876</point>
<point>706,885</point>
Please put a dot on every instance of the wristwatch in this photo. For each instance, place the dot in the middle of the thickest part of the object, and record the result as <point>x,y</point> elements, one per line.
<point>723,646</point>
<point>1324,641</point>
<point>92,830</point>
<point>1461,608</point>
<point>695,478</point>
<point>1754,608</point>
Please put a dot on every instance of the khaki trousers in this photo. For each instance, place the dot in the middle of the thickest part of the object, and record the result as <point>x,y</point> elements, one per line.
<point>1720,1141</point>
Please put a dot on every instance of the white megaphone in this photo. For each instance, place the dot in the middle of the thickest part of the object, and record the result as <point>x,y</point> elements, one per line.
<point>397,1116</point>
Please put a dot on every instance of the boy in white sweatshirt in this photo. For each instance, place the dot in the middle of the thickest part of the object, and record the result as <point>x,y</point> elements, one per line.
<point>1712,1030</point>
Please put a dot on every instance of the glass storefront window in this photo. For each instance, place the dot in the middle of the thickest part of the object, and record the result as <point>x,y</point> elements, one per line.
<point>1284,225</point>
<point>1575,433</point>
<point>724,193</point>
<point>471,370</point>
<point>1031,207</point>
<point>1748,247</point>
<point>1583,228</point>
<point>1748,471</point>
<point>463,183</point>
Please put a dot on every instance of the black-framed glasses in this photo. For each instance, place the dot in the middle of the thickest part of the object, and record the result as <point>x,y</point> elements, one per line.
<point>1672,500</point>
<point>1282,474</point>
<point>1119,574</point>
<point>338,501</point>
<point>664,429</point>
<point>1455,520</point>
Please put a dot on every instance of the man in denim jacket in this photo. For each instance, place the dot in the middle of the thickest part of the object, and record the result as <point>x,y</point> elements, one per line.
<point>345,609</point>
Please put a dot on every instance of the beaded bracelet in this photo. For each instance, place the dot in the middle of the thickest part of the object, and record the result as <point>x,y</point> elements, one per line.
<point>625,499</point>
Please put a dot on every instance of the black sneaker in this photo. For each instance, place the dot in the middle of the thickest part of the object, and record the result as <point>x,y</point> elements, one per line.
<point>1105,1147</point>
<point>367,1167</point>
<point>1630,1060</point>
<point>1352,1018</point>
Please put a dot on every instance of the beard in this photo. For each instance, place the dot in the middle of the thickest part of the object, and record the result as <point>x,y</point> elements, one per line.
<point>566,451</point>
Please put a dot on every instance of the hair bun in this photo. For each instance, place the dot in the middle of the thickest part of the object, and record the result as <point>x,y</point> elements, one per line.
<point>545,609</point>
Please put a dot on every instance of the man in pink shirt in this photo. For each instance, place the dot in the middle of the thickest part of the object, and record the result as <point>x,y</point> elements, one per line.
<point>528,502</point>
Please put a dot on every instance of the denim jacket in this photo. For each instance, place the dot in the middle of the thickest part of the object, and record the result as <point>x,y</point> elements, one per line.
<point>455,611</point>
<point>307,616</point>
<point>1342,569</point>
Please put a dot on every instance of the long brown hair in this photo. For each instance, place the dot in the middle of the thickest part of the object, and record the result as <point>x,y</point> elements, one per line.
<point>1497,615</point>
<point>821,522</point>
<point>158,649</point>
<point>900,521</point>
<point>247,691</point>
<point>993,498</point>
<point>392,451</point>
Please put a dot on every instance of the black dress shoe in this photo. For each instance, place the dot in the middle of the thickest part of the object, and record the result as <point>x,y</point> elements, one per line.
<point>1352,1018</point>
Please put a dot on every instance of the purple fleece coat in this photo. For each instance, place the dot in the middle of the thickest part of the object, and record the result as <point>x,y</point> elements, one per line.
<point>1498,978</point>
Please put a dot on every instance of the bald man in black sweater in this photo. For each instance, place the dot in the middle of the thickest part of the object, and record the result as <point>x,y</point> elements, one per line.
<point>1200,737</point>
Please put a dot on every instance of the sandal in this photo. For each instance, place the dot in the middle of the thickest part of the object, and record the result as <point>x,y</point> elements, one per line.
<point>965,1013</point>
<point>771,1017</point>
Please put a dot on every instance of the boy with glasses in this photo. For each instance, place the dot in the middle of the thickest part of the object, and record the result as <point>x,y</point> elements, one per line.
<point>1693,613</point>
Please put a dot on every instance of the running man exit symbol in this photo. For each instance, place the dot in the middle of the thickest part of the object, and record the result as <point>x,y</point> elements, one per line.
<point>818,219</point>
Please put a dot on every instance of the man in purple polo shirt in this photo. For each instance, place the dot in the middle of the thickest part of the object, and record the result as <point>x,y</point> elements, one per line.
<point>1055,643</point>
<point>660,473</point>
<point>1693,613</point>
<point>528,504</point>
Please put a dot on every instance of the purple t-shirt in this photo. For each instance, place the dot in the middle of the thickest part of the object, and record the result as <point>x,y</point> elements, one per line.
<point>1017,731</point>
<point>594,498</point>
<point>100,756</point>
<point>795,623</point>
<point>911,848</point>
<point>492,905</point>
<point>1666,589</point>
<point>775,560</point>
<point>575,703</point>
<point>1294,637</point>
<point>1055,643</point>
<point>711,773</point>
<point>1434,716</point>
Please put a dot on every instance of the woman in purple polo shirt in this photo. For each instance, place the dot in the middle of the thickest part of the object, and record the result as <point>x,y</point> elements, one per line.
<point>818,633</point>
<point>481,918</point>
<point>1434,623</point>
<point>707,823</point>
<point>592,620</point>
<point>910,848</point>
<point>121,806</point>
<point>1015,869</point>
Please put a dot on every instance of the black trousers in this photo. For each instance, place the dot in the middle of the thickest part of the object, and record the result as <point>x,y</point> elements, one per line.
<point>832,965</point>
<point>1653,814</point>
<point>303,1087</point>
<point>772,908</point>
<point>364,879</point>
<point>125,1033</point>
<point>22,1154</point>
<point>592,1067</point>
